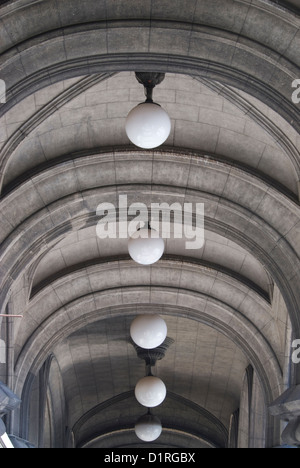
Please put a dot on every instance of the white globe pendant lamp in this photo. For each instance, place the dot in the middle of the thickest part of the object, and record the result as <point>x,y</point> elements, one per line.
<point>150,391</point>
<point>148,125</point>
<point>144,248</point>
<point>148,331</point>
<point>148,428</point>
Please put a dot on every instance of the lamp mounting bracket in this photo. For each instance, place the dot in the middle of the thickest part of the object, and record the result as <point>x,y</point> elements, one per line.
<point>149,81</point>
<point>151,356</point>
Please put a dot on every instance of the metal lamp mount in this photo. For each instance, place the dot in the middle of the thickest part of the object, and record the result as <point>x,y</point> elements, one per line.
<point>151,356</point>
<point>149,81</point>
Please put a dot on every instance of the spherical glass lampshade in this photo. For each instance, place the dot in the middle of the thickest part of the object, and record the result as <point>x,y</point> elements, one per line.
<point>148,331</point>
<point>145,249</point>
<point>148,125</point>
<point>148,428</point>
<point>150,392</point>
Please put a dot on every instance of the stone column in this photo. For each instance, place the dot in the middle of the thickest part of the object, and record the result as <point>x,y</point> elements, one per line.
<point>234,430</point>
<point>253,422</point>
<point>287,408</point>
<point>258,416</point>
<point>244,413</point>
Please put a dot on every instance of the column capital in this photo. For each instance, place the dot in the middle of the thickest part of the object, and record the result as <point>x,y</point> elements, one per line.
<point>291,434</point>
<point>8,400</point>
<point>287,406</point>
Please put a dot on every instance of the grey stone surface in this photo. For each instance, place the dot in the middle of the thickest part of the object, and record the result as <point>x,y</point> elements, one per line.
<point>287,405</point>
<point>234,146</point>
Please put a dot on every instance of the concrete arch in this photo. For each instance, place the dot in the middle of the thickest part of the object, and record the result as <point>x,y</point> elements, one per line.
<point>274,130</point>
<point>272,68</point>
<point>39,231</point>
<point>41,115</point>
<point>192,67</point>
<point>100,158</point>
<point>110,168</point>
<point>204,432</point>
<point>242,135</point>
<point>172,273</point>
<point>71,318</point>
<point>205,309</point>
<point>197,264</point>
<point>123,438</point>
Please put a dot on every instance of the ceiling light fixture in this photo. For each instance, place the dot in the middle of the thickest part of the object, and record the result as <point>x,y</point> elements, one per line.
<point>145,247</point>
<point>148,331</point>
<point>150,391</point>
<point>148,124</point>
<point>148,428</point>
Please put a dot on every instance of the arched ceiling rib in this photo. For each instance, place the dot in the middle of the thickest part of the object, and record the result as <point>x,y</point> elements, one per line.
<point>68,49</point>
<point>197,390</point>
<point>202,120</point>
<point>203,425</point>
<point>42,110</point>
<point>83,248</point>
<point>167,301</point>
<point>93,199</point>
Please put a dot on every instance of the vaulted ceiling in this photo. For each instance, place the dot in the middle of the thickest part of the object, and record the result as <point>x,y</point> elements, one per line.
<point>234,146</point>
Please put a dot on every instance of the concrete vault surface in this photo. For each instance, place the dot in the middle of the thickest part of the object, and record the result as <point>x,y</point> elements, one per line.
<point>233,306</point>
